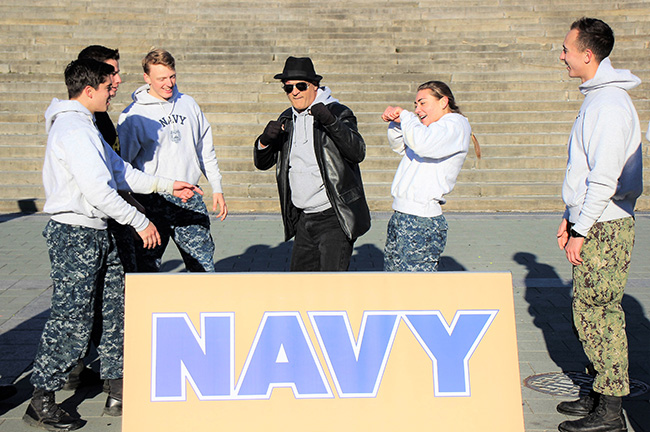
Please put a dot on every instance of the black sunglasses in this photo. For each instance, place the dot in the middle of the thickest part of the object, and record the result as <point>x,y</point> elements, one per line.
<point>301,86</point>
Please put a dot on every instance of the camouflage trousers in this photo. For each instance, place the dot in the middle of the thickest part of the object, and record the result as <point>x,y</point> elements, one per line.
<point>85,268</point>
<point>598,285</point>
<point>187,223</point>
<point>414,243</point>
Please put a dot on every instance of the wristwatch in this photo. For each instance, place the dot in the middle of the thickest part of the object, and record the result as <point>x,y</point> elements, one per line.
<point>575,233</point>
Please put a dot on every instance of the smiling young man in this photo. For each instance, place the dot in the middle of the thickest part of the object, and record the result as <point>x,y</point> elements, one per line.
<point>602,183</point>
<point>317,149</point>
<point>164,132</point>
<point>124,236</point>
<point>102,119</point>
<point>81,176</point>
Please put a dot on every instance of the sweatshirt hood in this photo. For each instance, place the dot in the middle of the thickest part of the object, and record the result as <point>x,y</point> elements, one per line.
<point>142,96</point>
<point>58,107</point>
<point>607,76</point>
<point>323,96</point>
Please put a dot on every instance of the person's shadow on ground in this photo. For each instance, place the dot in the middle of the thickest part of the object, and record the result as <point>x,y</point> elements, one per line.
<point>258,258</point>
<point>18,346</point>
<point>448,263</point>
<point>549,303</point>
<point>638,337</point>
<point>265,258</point>
<point>549,300</point>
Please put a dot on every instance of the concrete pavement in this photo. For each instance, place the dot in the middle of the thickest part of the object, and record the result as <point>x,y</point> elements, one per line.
<point>523,244</point>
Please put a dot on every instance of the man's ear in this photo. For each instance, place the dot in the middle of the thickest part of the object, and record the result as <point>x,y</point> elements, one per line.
<point>89,91</point>
<point>146,78</point>
<point>589,56</point>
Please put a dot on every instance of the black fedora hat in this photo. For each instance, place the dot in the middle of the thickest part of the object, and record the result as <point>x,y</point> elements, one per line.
<point>298,68</point>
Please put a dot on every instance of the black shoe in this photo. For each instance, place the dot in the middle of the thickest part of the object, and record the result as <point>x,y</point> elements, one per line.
<point>113,405</point>
<point>81,376</point>
<point>607,417</point>
<point>44,413</point>
<point>7,391</point>
<point>581,407</point>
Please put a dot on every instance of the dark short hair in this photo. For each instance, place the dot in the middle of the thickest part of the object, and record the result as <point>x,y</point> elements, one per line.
<point>99,53</point>
<point>595,35</point>
<point>85,72</point>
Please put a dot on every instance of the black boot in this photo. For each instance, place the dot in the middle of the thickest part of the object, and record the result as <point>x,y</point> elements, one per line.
<point>581,407</point>
<point>113,405</point>
<point>44,413</point>
<point>74,378</point>
<point>81,376</point>
<point>607,417</point>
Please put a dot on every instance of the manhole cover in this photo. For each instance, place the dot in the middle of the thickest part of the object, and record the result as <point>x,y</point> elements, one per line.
<point>572,384</point>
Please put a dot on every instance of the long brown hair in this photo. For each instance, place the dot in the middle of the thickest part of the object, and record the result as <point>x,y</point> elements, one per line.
<point>440,90</point>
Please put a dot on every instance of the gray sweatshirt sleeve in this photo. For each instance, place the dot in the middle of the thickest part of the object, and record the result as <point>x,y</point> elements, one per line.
<point>89,162</point>
<point>606,132</point>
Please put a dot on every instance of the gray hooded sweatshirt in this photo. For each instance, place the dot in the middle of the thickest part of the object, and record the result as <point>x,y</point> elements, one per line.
<point>82,173</point>
<point>604,174</point>
<point>307,187</point>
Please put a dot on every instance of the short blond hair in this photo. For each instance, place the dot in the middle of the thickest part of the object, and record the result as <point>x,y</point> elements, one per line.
<point>158,57</point>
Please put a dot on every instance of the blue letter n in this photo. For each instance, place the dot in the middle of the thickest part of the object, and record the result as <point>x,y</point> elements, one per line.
<point>180,354</point>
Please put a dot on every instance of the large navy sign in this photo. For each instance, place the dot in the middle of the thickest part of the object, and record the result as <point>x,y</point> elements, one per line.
<point>321,351</point>
<point>283,355</point>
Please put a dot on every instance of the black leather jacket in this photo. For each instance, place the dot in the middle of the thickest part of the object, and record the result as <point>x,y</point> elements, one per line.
<point>339,149</point>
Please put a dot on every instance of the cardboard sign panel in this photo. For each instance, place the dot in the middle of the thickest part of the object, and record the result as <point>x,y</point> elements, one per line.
<point>321,352</point>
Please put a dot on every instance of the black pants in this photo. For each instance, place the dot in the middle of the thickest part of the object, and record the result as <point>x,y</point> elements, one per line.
<point>320,244</point>
<point>186,223</point>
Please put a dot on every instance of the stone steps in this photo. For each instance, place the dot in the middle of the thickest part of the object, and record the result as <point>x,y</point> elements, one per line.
<point>500,58</point>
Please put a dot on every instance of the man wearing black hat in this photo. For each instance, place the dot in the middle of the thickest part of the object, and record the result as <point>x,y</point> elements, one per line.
<point>317,149</point>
